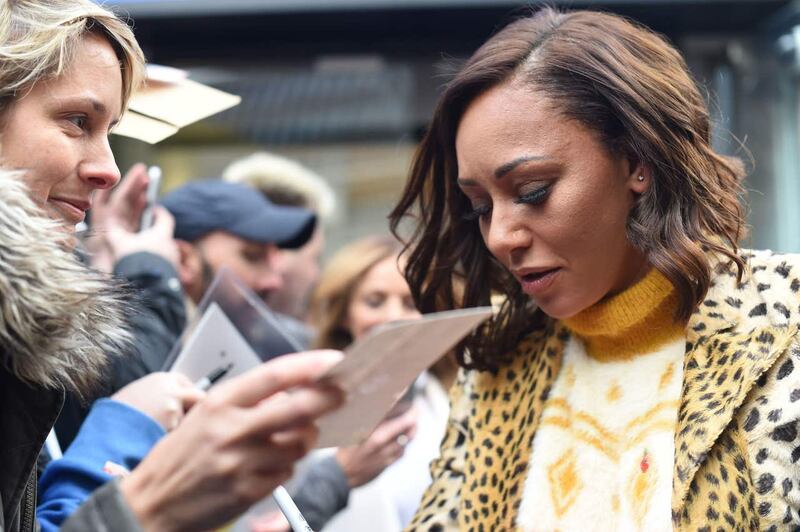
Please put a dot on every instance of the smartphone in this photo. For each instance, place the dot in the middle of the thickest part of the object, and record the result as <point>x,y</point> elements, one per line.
<point>148,214</point>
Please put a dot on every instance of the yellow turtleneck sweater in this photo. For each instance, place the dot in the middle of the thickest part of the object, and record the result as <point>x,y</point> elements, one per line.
<point>602,457</point>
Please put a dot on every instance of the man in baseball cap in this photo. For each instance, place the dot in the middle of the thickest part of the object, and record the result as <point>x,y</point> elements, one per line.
<point>220,224</point>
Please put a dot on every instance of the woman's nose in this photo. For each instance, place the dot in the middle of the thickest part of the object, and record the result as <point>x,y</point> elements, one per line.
<point>100,169</point>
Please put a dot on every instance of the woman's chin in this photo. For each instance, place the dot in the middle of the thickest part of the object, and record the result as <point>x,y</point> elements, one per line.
<point>559,309</point>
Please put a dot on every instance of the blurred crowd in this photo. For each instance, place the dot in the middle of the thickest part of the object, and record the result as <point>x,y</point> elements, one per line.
<point>638,372</point>
<point>264,221</point>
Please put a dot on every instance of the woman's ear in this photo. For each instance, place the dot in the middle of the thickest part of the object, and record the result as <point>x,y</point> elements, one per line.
<point>640,177</point>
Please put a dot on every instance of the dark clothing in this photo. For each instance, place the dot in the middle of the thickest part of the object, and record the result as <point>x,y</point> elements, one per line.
<point>58,321</point>
<point>25,419</point>
<point>321,492</point>
<point>26,416</point>
<point>156,325</point>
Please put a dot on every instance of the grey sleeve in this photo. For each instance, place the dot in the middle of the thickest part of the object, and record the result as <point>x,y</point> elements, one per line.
<point>105,511</point>
<point>321,492</point>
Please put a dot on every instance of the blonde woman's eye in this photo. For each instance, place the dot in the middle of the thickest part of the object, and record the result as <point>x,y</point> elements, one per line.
<point>78,120</point>
<point>374,300</point>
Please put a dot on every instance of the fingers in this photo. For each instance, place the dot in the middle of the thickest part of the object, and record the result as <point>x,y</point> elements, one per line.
<point>188,394</point>
<point>163,221</point>
<point>101,197</point>
<point>280,374</point>
<point>272,522</point>
<point>295,443</point>
<point>130,197</point>
<point>294,409</point>
<point>133,183</point>
<point>388,431</point>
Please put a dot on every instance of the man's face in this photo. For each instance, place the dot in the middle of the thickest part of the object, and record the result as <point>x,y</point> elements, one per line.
<point>259,266</point>
<point>300,276</point>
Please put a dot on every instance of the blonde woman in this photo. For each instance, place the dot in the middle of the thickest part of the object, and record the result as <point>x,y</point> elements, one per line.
<point>362,288</point>
<point>67,70</point>
<point>377,485</point>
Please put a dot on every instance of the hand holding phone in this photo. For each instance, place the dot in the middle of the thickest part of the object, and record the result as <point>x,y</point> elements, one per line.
<point>153,186</point>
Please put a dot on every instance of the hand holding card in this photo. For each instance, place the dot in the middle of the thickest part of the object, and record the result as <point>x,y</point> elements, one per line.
<point>377,370</point>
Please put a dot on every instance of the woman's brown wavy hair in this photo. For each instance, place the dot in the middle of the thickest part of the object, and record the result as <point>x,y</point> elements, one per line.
<point>634,90</point>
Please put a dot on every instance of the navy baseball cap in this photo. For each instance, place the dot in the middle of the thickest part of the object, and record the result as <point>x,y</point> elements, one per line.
<point>201,207</point>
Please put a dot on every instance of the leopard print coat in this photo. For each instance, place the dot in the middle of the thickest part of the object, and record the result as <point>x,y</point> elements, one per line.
<point>737,443</point>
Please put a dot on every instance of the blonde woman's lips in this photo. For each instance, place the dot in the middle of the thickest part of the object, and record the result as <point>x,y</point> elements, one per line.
<point>72,211</point>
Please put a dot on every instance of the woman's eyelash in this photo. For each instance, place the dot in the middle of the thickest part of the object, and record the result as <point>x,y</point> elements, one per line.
<point>476,213</point>
<point>532,198</point>
<point>535,196</point>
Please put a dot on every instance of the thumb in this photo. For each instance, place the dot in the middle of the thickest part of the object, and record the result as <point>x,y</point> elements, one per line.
<point>163,222</point>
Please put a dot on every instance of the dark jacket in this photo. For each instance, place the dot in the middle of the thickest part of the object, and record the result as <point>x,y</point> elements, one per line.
<point>156,323</point>
<point>57,322</point>
<point>26,414</point>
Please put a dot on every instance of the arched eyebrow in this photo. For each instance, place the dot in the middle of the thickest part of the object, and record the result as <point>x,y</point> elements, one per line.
<point>504,169</point>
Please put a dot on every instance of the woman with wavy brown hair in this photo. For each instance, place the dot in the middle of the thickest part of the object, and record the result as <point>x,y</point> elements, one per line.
<point>640,371</point>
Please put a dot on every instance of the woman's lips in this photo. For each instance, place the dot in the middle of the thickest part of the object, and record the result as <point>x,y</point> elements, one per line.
<point>69,212</point>
<point>534,284</point>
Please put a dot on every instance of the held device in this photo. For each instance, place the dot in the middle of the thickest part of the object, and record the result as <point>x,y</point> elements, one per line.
<point>154,172</point>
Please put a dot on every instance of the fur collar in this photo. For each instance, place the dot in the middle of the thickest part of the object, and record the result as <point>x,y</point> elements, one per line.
<point>58,318</point>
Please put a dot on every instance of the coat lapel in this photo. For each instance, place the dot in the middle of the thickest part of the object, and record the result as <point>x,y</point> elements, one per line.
<point>721,366</point>
<point>512,401</point>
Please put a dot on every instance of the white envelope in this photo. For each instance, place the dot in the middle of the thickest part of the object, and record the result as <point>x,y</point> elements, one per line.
<point>377,370</point>
<point>214,344</point>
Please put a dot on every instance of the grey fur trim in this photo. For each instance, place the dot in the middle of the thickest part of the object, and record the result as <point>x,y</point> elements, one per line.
<point>58,318</point>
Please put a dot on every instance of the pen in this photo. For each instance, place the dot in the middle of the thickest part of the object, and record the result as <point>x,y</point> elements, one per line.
<point>290,510</point>
<point>206,382</point>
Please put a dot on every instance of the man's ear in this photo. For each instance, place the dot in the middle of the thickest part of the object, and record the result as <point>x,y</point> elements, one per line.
<point>190,267</point>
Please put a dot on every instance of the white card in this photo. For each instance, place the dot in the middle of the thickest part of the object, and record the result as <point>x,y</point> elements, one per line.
<point>214,344</point>
<point>377,369</point>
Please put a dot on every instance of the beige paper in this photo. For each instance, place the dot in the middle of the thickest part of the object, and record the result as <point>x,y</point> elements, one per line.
<point>168,102</point>
<point>181,103</point>
<point>377,370</point>
<point>144,128</point>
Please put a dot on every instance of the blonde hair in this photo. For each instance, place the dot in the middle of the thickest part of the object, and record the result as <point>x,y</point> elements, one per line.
<point>285,182</point>
<point>38,40</point>
<point>331,299</point>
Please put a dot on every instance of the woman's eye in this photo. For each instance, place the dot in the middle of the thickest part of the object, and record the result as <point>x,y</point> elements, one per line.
<point>534,197</point>
<point>374,300</point>
<point>78,120</point>
<point>477,212</point>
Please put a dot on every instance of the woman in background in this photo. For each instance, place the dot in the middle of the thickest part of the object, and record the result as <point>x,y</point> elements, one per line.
<point>362,288</point>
